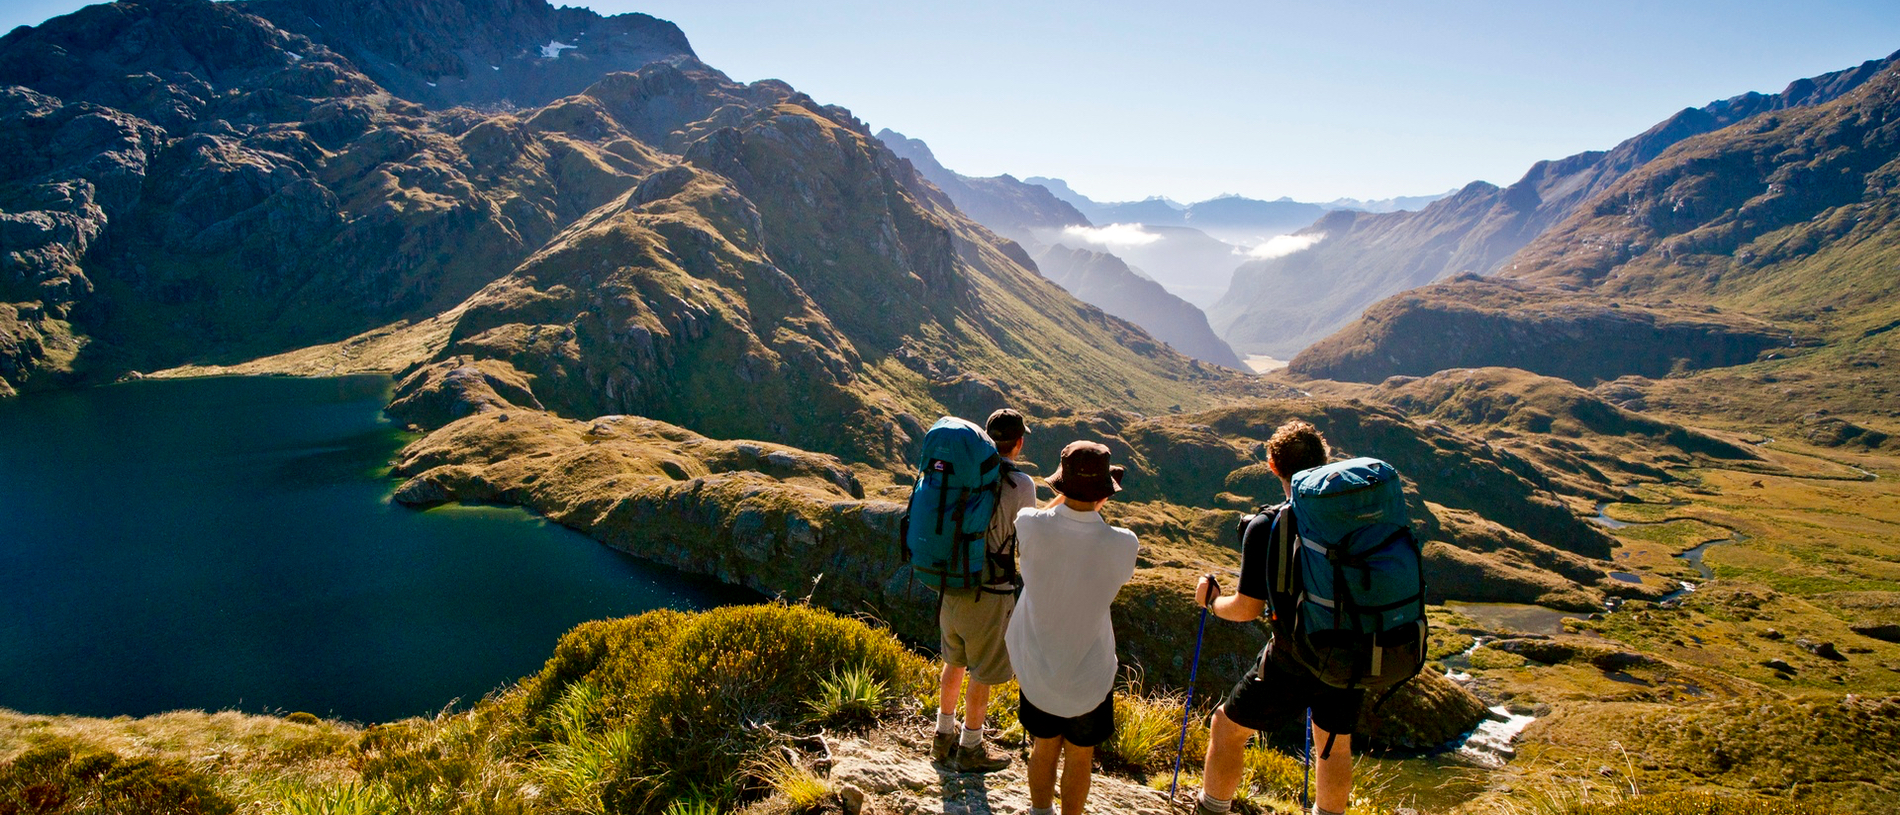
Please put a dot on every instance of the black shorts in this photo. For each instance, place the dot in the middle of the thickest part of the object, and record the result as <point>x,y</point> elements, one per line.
<point>1264,701</point>
<point>1086,730</point>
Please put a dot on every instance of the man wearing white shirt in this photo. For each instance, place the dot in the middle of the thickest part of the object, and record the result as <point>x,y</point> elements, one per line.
<point>1061,642</point>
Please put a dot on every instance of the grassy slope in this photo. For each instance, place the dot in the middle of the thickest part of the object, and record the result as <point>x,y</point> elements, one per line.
<point>618,720</point>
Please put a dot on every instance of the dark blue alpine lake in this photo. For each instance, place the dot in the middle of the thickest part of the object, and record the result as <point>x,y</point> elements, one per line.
<point>229,544</point>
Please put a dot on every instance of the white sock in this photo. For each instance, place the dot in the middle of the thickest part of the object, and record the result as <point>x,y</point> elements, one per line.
<point>1318,810</point>
<point>971,738</point>
<point>1212,804</point>
<point>946,723</point>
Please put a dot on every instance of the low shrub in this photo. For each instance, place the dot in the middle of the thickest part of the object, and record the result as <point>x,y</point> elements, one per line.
<point>696,695</point>
<point>53,779</point>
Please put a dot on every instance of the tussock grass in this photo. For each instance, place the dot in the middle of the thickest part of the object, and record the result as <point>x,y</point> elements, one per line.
<point>1148,730</point>
<point>850,699</point>
<point>344,799</point>
<point>801,789</point>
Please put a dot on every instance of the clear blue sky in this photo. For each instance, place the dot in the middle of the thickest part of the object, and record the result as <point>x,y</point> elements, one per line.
<point>1315,100</point>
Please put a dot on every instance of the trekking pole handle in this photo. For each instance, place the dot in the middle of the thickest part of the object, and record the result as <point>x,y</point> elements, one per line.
<point>1213,591</point>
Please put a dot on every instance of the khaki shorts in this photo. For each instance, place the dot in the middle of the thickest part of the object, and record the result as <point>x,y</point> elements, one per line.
<point>973,629</point>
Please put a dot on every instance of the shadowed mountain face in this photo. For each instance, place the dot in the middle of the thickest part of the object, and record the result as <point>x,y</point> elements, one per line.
<point>1778,227</point>
<point>1279,306</point>
<point>1104,280</point>
<point>478,52</point>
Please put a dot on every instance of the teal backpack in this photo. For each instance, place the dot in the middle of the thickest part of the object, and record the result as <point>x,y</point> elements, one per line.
<point>1348,578</point>
<point>958,478</point>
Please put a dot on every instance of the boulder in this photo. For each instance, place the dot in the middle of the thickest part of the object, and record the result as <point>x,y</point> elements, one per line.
<point>1886,632</point>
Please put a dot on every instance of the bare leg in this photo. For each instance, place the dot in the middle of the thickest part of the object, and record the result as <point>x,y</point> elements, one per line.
<point>1334,774</point>
<point>1226,748</point>
<point>947,690</point>
<point>1077,765</point>
<point>1042,771</point>
<point>976,702</point>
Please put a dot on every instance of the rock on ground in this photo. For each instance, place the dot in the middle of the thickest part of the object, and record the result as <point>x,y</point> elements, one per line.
<point>898,778</point>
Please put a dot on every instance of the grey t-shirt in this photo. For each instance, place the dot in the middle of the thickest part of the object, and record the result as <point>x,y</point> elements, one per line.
<point>1018,493</point>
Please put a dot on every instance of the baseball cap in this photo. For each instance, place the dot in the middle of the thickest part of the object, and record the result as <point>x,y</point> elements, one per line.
<point>1006,425</point>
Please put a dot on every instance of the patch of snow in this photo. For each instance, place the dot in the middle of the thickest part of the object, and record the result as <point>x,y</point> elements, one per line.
<point>554,48</point>
<point>1490,744</point>
<point>494,67</point>
<point>430,84</point>
<point>295,57</point>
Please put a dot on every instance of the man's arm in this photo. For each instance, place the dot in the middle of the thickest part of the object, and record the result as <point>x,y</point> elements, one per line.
<point>1236,607</point>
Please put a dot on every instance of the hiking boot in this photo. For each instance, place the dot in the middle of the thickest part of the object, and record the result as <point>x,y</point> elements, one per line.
<point>978,759</point>
<point>942,745</point>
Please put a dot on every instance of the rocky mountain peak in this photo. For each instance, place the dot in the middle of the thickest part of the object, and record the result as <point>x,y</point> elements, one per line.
<point>443,53</point>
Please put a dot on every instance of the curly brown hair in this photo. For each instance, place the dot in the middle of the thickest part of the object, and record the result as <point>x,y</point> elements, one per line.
<point>1296,446</point>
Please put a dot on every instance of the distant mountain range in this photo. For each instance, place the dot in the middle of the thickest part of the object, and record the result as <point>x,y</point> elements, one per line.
<point>1281,305</point>
<point>1232,218</point>
<point>1771,241</point>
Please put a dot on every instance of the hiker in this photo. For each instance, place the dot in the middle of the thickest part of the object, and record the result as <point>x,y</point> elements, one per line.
<point>1276,687</point>
<point>972,620</point>
<point>1061,640</point>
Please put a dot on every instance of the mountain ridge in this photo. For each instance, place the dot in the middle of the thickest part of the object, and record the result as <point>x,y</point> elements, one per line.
<point>1405,250</point>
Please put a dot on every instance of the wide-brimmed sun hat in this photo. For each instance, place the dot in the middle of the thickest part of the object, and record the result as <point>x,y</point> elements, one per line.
<point>1085,473</point>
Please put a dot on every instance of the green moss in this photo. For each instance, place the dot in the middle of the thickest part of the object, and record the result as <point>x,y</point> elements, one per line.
<point>1487,659</point>
<point>1678,535</point>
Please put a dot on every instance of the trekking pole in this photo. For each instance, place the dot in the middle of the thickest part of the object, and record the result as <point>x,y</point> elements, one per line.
<point>1306,766</point>
<point>1187,707</point>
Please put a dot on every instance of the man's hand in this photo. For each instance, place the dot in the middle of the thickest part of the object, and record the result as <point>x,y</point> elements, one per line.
<point>1207,591</point>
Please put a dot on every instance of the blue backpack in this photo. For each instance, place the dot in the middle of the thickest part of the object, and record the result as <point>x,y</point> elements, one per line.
<point>1348,579</point>
<point>958,483</point>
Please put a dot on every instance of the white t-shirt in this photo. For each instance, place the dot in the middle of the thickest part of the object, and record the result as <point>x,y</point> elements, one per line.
<point>1060,639</point>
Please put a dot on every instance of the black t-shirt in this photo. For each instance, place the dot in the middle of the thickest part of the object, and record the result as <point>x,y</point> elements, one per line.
<point>1256,553</point>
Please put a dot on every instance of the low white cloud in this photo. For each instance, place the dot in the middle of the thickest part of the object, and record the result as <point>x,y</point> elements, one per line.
<point>1112,235</point>
<point>1280,246</point>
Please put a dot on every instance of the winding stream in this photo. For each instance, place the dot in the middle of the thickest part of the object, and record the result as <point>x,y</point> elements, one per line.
<point>1692,556</point>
